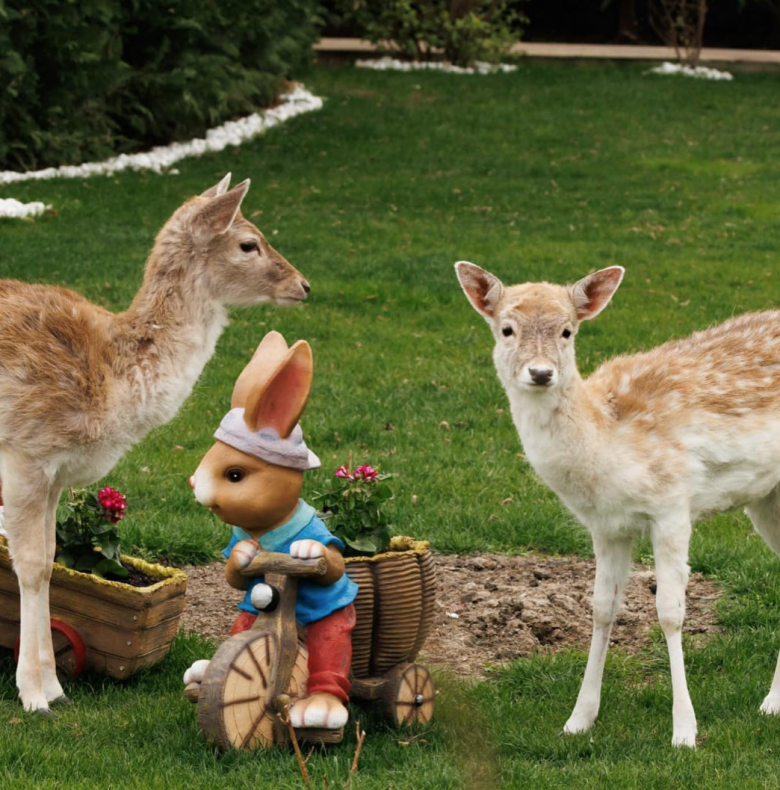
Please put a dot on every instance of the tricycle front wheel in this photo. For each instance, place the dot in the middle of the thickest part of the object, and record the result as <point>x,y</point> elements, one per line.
<point>234,705</point>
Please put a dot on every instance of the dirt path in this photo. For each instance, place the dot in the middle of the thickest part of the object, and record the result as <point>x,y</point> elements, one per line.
<point>506,607</point>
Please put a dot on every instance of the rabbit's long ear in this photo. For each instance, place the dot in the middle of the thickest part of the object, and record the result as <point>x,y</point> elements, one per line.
<point>266,359</point>
<point>279,402</point>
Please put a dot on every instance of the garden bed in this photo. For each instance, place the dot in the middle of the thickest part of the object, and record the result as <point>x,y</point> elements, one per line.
<point>506,607</point>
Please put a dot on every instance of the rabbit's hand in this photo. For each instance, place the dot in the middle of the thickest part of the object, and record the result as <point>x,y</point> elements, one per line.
<point>240,556</point>
<point>307,549</point>
<point>312,550</point>
<point>244,552</point>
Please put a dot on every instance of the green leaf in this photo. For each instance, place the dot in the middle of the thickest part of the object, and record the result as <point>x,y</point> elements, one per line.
<point>383,492</point>
<point>364,545</point>
<point>107,566</point>
<point>86,562</point>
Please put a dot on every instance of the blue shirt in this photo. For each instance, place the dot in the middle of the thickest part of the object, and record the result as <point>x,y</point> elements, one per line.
<point>314,601</point>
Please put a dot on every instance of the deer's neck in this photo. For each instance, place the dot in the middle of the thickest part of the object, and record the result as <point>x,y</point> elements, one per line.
<point>162,343</point>
<point>562,433</point>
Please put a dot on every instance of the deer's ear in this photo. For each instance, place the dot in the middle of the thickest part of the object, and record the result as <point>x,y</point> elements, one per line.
<point>266,359</point>
<point>218,189</point>
<point>279,402</point>
<point>218,214</point>
<point>483,289</point>
<point>591,294</point>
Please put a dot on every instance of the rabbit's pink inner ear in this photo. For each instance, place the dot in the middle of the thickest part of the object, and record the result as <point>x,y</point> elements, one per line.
<point>266,359</point>
<point>281,402</point>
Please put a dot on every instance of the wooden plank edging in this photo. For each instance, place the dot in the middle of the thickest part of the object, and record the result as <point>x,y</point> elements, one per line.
<point>534,49</point>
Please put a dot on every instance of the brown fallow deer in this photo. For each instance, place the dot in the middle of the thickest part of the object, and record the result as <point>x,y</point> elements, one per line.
<point>648,444</point>
<point>80,385</point>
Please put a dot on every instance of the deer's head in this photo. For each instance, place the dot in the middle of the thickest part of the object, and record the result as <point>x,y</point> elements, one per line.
<point>535,324</point>
<point>210,242</point>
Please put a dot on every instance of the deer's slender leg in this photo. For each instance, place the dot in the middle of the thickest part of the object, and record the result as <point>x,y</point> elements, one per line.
<point>613,563</point>
<point>765,515</point>
<point>670,546</point>
<point>51,684</point>
<point>27,494</point>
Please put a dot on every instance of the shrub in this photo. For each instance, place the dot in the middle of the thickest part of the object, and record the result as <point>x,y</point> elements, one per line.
<point>464,30</point>
<point>680,24</point>
<point>89,79</point>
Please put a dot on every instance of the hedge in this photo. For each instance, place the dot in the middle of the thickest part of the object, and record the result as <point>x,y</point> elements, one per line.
<point>86,79</point>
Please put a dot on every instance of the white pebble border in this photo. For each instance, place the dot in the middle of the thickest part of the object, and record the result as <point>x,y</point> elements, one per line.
<point>699,72</point>
<point>393,64</point>
<point>296,102</point>
<point>15,210</point>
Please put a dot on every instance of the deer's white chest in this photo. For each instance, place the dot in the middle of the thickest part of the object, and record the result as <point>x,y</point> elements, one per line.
<point>148,396</point>
<point>604,484</point>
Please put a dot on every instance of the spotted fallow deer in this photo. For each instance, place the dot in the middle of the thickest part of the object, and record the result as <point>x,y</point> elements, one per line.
<point>649,443</point>
<point>80,385</point>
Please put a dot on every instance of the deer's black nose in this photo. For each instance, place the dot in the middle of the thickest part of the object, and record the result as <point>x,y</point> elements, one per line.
<point>306,287</point>
<point>540,376</point>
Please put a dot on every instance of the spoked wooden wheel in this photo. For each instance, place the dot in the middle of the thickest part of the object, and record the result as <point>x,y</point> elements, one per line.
<point>409,696</point>
<point>70,652</point>
<point>235,708</point>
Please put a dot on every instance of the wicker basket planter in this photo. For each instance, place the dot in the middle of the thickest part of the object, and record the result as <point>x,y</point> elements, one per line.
<point>122,627</point>
<point>394,606</point>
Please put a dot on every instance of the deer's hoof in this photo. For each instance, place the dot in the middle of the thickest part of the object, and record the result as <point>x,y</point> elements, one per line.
<point>771,705</point>
<point>684,740</point>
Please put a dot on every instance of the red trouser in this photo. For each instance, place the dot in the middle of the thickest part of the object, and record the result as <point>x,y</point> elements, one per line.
<point>330,650</point>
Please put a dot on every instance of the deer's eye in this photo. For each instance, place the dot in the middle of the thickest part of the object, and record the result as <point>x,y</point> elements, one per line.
<point>566,333</point>
<point>235,475</point>
<point>248,246</point>
<point>507,331</point>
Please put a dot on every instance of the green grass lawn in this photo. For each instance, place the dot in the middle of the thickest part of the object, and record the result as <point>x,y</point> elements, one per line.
<point>547,173</point>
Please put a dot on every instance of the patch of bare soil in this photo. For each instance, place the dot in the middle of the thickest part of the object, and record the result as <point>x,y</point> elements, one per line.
<point>506,607</point>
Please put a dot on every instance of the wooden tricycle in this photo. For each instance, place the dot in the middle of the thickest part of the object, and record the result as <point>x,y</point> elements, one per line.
<point>255,674</point>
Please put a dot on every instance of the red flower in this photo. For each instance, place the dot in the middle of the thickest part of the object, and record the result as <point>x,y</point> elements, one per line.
<point>344,473</point>
<point>366,472</point>
<point>113,503</point>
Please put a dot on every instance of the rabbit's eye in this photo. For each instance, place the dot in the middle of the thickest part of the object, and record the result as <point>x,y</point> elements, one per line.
<point>507,331</point>
<point>249,246</point>
<point>566,333</point>
<point>235,475</point>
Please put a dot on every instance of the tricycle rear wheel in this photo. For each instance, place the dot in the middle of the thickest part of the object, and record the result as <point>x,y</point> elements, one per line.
<point>409,695</point>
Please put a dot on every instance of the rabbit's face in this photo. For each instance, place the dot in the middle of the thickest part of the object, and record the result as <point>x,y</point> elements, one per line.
<point>245,491</point>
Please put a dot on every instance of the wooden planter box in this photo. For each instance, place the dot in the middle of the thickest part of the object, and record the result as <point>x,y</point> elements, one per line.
<point>124,628</point>
<point>394,605</point>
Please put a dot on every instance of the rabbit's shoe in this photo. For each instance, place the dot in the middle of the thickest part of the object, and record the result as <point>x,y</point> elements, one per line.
<point>319,710</point>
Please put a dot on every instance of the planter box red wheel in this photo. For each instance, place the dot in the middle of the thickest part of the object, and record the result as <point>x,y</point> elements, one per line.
<point>70,652</point>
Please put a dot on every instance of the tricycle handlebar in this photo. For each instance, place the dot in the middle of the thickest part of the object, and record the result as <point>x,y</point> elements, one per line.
<point>276,562</point>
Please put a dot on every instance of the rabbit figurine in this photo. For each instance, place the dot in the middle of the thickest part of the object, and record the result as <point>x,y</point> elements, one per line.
<point>251,478</point>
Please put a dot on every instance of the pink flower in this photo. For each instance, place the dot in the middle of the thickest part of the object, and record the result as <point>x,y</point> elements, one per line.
<point>113,503</point>
<point>366,472</point>
<point>344,473</point>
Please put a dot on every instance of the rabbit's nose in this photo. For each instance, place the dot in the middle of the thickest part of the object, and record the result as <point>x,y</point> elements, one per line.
<point>191,481</point>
